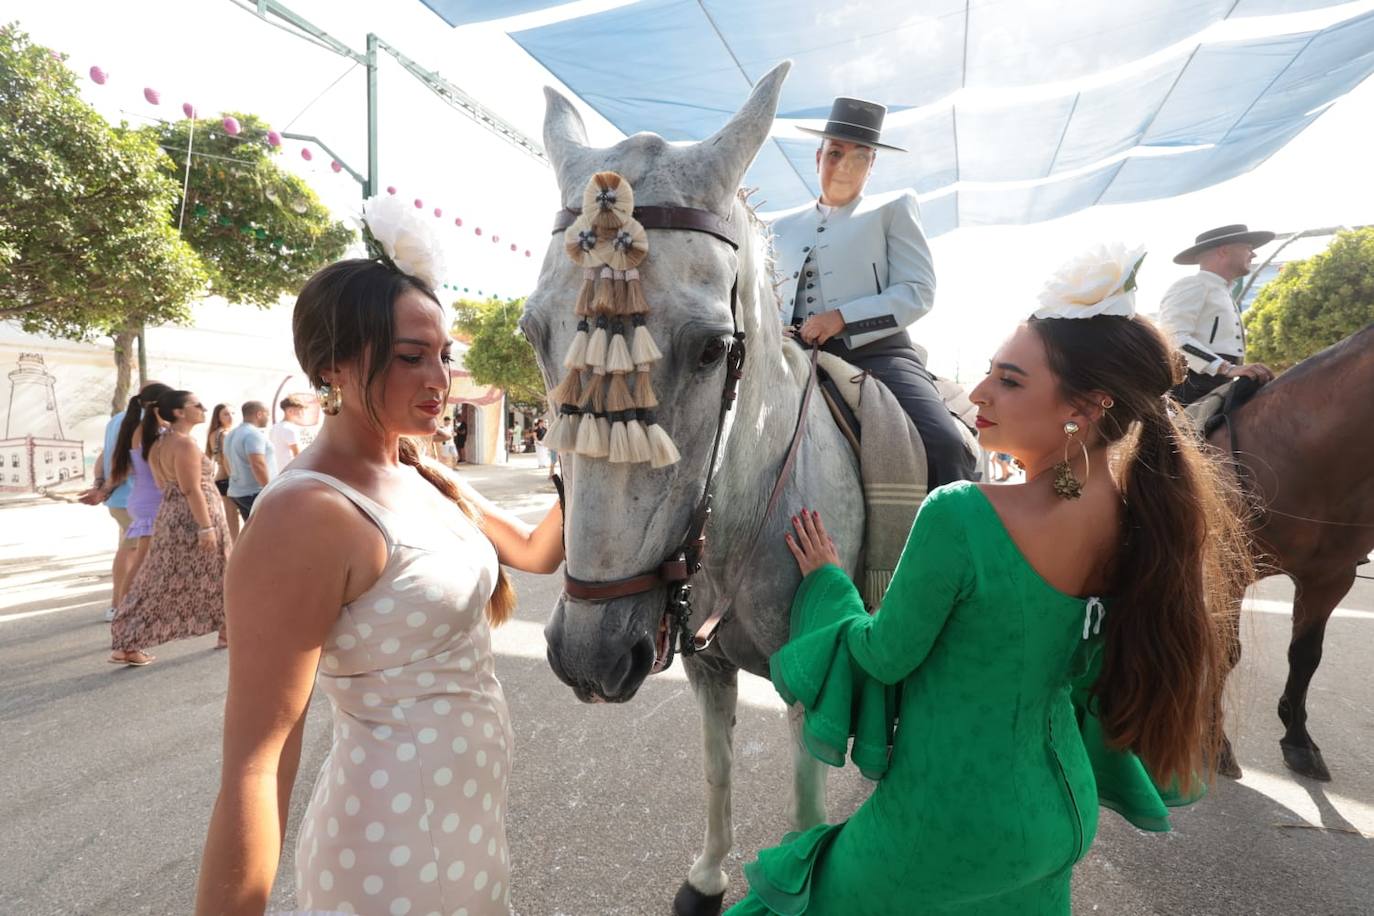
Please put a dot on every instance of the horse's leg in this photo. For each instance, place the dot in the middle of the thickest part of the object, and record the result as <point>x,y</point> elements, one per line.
<point>1316,599</point>
<point>715,683</point>
<point>1226,762</point>
<point>808,777</point>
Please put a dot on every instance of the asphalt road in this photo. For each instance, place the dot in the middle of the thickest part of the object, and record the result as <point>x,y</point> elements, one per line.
<point>109,773</point>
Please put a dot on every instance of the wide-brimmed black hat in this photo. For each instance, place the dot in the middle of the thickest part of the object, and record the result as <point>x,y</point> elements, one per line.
<point>855,121</point>
<point>1225,235</point>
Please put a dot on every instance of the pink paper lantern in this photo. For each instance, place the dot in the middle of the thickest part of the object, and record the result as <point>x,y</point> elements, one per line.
<point>152,95</point>
<point>514,247</point>
<point>231,127</point>
<point>478,230</point>
<point>391,189</point>
<point>458,221</point>
<point>336,166</point>
<point>188,109</point>
<point>438,213</point>
<point>306,154</point>
<point>273,139</point>
<point>495,239</point>
<point>527,252</point>
<point>419,204</point>
<point>98,76</point>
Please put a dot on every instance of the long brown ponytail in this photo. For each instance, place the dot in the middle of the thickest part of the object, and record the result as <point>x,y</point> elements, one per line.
<point>502,603</point>
<point>1183,562</point>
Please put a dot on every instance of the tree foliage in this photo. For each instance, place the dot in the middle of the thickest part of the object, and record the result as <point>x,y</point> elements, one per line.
<point>1314,303</point>
<point>259,230</point>
<point>85,244</point>
<point>499,354</point>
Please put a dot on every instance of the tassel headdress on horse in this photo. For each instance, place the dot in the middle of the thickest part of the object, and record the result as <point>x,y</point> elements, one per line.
<point>598,413</point>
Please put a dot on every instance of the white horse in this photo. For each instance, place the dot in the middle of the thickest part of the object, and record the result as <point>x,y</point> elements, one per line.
<point>622,520</point>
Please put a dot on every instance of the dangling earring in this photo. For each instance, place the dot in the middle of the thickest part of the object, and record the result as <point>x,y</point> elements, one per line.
<point>331,399</point>
<point>1067,486</point>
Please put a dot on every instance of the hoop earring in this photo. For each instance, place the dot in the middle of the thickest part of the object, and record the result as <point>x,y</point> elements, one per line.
<point>331,399</point>
<point>1067,486</point>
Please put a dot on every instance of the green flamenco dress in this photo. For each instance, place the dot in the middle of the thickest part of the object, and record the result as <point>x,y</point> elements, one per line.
<point>967,697</point>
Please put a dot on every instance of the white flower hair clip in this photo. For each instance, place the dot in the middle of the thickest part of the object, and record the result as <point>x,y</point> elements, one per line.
<point>1097,282</point>
<point>396,235</point>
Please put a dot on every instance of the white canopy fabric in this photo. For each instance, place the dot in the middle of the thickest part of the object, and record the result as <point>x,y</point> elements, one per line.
<point>1014,111</point>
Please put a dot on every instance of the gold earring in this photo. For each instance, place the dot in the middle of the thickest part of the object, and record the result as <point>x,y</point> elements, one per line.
<point>1067,486</point>
<point>331,399</point>
<point>1108,403</point>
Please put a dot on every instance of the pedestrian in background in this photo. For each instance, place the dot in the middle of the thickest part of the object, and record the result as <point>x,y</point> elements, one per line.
<point>114,490</point>
<point>221,424</point>
<point>286,433</point>
<point>251,457</point>
<point>145,496</point>
<point>178,591</point>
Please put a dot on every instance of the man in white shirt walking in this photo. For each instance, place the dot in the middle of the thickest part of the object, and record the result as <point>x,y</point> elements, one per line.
<point>286,433</point>
<point>1203,319</point>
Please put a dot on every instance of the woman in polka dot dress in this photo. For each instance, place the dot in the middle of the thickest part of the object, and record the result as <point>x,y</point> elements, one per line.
<point>374,575</point>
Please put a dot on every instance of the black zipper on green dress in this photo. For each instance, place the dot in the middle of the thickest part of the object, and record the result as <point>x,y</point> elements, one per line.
<point>1073,800</point>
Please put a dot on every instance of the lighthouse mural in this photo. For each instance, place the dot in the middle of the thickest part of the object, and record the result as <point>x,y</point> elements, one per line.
<point>34,453</point>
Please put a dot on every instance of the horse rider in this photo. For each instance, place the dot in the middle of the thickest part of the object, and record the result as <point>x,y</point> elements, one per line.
<point>855,270</point>
<point>1202,316</point>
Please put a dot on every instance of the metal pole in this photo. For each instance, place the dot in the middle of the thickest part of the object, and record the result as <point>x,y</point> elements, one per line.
<point>370,188</point>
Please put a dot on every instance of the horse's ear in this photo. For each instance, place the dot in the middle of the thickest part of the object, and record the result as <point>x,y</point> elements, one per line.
<point>727,155</point>
<point>564,133</point>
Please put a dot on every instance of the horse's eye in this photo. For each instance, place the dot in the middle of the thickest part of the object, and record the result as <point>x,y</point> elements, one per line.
<point>712,352</point>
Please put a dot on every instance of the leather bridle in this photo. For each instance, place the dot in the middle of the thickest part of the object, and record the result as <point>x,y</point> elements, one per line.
<point>686,559</point>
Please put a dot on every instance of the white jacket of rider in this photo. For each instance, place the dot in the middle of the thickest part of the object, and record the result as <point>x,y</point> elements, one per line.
<point>868,259</point>
<point>1203,321</point>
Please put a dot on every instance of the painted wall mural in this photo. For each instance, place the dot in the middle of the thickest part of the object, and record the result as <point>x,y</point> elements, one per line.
<point>35,453</point>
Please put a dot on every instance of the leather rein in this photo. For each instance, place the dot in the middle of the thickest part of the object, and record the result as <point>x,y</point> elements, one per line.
<point>686,559</point>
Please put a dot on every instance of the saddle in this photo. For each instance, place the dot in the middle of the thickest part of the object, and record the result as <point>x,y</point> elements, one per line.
<point>1210,411</point>
<point>891,457</point>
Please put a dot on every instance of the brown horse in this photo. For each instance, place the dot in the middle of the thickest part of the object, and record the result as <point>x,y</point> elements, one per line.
<point>1304,449</point>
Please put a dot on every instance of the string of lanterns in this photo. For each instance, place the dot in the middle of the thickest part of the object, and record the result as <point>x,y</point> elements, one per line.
<point>232,128</point>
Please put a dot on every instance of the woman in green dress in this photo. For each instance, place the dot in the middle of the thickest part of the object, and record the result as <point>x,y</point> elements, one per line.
<point>1043,649</point>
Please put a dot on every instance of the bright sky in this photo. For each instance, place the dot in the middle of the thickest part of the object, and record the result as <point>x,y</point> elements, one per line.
<point>218,56</point>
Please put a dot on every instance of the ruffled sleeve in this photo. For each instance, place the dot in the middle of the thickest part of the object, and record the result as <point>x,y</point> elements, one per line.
<point>842,665</point>
<point>1123,783</point>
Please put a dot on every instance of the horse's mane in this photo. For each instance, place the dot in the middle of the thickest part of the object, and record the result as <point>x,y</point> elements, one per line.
<point>765,234</point>
<point>1341,350</point>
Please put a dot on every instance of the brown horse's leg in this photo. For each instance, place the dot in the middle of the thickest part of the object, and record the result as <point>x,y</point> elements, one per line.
<point>1226,761</point>
<point>1316,598</point>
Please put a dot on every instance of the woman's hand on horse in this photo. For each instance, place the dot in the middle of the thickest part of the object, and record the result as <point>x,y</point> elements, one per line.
<point>810,544</point>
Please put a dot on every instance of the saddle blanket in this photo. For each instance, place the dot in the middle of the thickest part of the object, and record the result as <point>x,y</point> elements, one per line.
<point>892,466</point>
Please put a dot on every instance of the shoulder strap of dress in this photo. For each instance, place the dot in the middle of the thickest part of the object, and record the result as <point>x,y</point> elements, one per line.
<point>370,507</point>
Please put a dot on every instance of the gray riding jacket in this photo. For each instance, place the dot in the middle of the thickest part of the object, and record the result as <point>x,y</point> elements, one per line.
<point>868,259</point>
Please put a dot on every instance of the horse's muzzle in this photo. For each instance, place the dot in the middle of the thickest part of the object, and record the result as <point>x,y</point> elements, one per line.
<point>604,650</point>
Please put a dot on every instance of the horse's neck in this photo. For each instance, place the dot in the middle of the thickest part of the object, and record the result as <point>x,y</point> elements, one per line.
<point>765,413</point>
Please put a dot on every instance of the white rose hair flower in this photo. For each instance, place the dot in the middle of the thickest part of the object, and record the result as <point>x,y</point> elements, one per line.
<point>1097,282</point>
<point>397,233</point>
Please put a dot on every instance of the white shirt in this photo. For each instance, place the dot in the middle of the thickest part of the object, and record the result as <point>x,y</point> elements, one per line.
<point>284,435</point>
<point>1203,321</point>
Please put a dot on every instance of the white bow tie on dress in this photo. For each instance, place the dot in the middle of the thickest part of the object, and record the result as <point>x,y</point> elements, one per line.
<point>1091,625</point>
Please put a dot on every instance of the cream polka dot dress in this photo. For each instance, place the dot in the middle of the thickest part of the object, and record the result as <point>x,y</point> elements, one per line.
<point>407,817</point>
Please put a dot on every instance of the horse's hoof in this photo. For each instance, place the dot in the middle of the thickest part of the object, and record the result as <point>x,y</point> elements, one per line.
<point>692,902</point>
<point>1305,761</point>
<point>1226,762</point>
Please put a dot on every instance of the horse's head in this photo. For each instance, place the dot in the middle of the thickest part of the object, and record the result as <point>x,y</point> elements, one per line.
<point>621,519</point>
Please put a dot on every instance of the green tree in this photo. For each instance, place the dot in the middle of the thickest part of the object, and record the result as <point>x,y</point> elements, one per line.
<point>85,244</point>
<point>1313,303</point>
<point>260,230</point>
<point>498,353</point>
